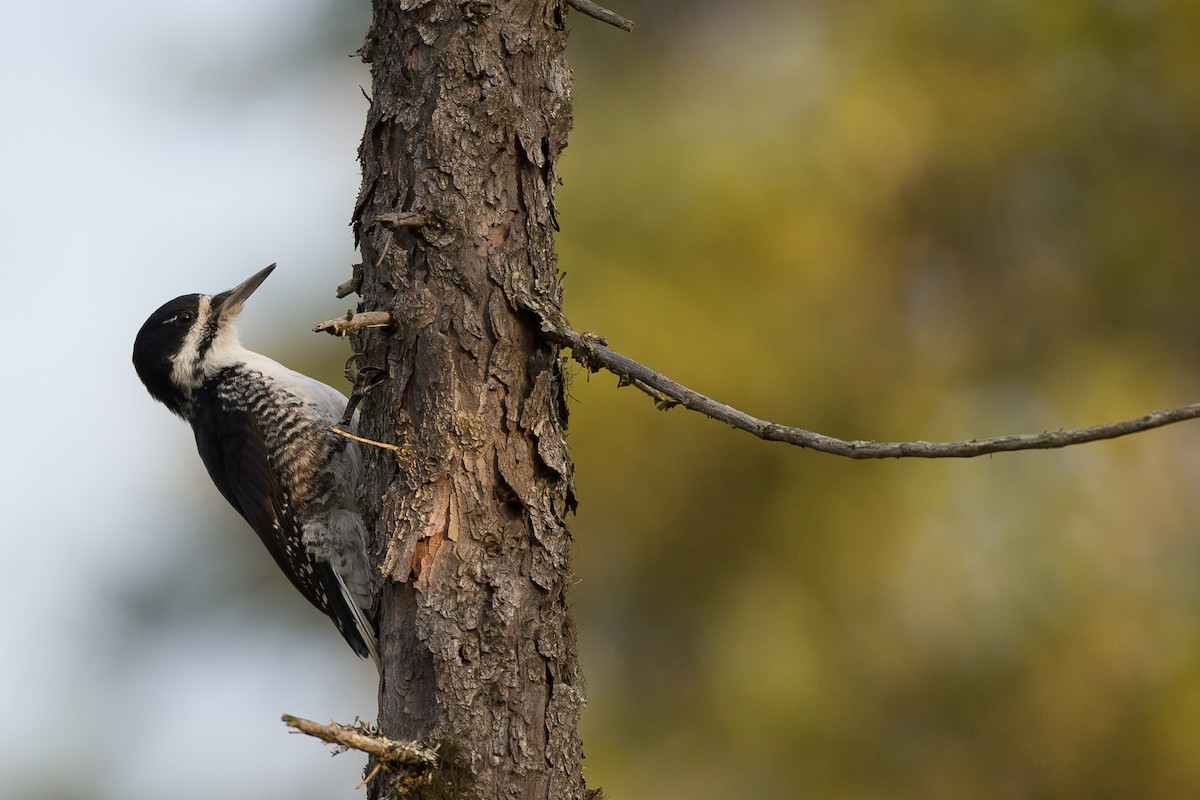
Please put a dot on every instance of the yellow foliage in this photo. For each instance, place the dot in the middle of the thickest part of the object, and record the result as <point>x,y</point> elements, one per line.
<point>890,220</point>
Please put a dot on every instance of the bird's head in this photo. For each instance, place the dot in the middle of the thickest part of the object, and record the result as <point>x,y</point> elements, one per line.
<point>186,337</point>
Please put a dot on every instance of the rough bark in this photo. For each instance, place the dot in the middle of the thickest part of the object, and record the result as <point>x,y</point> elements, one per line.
<point>470,108</point>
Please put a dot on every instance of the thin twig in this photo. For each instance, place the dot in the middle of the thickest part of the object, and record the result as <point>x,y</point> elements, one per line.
<point>370,775</point>
<point>403,219</point>
<point>661,401</point>
<point>387,245</point>
<point>352,323</point>
<point>593,353</point>
<point>384,445</point>
<point>601,13</point>
<point>387,751</point>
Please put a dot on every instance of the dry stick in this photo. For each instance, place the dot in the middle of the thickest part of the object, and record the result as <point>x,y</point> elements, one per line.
<point>384,445</point>
<point>353,322</point>
<point>404,219</point>
<point>389,751</point>
<point>352,284</point>
<point>601,13</point>
<point>348,324</point>
<point>591,351</point>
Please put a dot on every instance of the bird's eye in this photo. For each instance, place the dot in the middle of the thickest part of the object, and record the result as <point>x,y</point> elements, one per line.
<point>185,317</point>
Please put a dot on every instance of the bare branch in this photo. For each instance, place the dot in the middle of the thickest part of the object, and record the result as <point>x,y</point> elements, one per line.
<point>601,13</point>
<point>593,353</point>
<point>352,323</point>
<point>384,445</point>
<point>404,219</point>
<point>352,284</point>
<point>389,752</point>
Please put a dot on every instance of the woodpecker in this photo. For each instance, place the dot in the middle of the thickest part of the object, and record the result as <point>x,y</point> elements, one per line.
<point>263,432</point>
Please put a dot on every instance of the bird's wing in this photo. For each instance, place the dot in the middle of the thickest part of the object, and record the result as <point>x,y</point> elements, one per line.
<point>234,450</point>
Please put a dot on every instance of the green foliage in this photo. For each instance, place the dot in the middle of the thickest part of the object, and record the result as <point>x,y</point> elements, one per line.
<point>889,220</point>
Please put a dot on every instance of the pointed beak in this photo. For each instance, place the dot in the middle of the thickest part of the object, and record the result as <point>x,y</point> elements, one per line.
<point>229,304</point>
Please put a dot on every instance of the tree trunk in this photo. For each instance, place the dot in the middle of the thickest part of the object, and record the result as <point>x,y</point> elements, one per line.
<point>470,108</point>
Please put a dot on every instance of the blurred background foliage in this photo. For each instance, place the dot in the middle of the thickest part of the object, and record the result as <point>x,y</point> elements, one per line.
<point>888,220</point>
<point>874,219</point>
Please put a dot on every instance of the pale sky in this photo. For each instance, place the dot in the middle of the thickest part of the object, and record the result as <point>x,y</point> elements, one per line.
<point>149,150</point>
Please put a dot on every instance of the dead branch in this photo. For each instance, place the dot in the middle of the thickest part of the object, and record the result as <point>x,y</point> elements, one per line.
<point>352,284</point>
<point>384,445</point>
<point>404,219</point>
<point>593,353</point>
<point>596,11</point>
<point>352,323</point>
<point>364,738</point>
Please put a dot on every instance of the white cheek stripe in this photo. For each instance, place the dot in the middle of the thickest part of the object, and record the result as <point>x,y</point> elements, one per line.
<point>184,363</point>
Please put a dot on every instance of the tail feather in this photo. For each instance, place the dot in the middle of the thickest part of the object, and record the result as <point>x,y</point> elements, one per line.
<point>362,625</point>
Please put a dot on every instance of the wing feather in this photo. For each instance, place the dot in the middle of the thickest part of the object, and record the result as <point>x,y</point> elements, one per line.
<point>236,454</point>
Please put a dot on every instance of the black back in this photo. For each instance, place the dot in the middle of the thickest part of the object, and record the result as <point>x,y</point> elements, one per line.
<point>235,451</point>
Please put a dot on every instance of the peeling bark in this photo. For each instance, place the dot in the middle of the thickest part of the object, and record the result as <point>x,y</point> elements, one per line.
<point>470,108</point>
